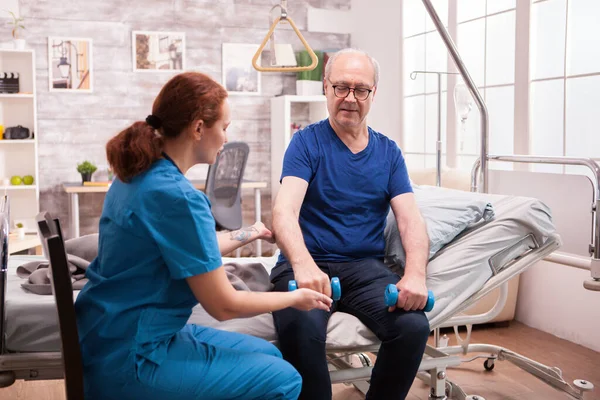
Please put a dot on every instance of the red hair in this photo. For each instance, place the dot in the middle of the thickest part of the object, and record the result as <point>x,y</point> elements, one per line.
<point>185,98</point>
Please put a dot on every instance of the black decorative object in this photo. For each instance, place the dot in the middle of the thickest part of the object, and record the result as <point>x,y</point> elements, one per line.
<point>18,132</point>
<point>9,82</point>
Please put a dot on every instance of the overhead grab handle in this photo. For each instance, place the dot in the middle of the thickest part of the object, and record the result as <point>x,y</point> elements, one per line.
<point>284,17</point>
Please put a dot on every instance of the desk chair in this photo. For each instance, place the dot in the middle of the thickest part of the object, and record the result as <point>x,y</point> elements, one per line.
<point>223,186</point>
<point>54,249</point>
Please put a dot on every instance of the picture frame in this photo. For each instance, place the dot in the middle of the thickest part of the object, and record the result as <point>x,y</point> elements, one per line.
<point>70,64</point>
<point>158,51</point>
<point>239,76</point>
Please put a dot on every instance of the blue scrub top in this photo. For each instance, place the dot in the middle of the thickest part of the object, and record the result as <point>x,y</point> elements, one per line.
<point>154,232</point>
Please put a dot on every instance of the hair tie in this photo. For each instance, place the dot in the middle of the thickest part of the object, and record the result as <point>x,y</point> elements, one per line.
<point>153,121</point>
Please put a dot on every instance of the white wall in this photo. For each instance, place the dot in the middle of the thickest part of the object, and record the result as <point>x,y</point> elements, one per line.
<point>384,44</point>
<point>552,299</point>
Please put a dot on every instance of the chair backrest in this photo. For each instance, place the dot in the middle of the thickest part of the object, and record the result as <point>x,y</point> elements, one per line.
<point>4,230</point>
<point>223,185</point>
<point>62,288</point>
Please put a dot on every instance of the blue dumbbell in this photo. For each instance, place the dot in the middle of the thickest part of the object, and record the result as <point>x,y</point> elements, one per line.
<point>391,298</point>
<point>336,288</point>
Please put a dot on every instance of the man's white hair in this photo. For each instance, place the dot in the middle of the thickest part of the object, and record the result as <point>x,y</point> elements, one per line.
<point>351,50</point>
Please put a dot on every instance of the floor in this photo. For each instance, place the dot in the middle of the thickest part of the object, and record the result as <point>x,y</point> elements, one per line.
<point>506,381</point>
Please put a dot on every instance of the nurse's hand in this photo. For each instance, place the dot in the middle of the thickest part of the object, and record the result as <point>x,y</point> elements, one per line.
<point>264,233</point>
<point>307,299</point>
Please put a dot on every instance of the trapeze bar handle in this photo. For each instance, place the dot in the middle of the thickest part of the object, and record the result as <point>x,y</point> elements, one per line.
<point>312,54</point>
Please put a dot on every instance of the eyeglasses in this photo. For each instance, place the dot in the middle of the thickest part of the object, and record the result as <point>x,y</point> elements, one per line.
<point>360,94</point>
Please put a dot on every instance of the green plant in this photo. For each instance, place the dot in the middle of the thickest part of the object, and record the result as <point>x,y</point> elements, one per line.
<point>17,23</point>
<point>19,225</point>
<point>304,60</point>
<point>86,167</point>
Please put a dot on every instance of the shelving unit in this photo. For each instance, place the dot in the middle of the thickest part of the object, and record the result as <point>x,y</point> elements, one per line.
<point>20,157</point>
<point>281,130</point>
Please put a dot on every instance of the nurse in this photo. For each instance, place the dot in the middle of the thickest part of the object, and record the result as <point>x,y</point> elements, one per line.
<point>159,255</point>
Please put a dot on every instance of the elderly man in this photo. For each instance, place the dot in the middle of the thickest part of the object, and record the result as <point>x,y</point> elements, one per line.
<point>339,179</point>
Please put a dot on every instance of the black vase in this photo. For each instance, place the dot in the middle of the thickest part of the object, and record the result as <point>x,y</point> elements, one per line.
<point>86,176</point>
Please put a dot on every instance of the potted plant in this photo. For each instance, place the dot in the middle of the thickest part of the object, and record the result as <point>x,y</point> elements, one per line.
<point>20,230</point>
<point>309,83</point>
<point>17,23</point>
<point>86,169</point>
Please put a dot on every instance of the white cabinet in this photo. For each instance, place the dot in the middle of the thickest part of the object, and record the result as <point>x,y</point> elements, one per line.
<point>282,118</point>
<point>18,157</point>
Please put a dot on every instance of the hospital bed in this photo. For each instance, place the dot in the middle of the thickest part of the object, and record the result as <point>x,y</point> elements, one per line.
<point>482,257</point>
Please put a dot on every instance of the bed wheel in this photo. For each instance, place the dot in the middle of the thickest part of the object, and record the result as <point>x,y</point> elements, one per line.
<point>474,397</point>
<point>7,378</point>
<point>489,364</point>
<point>583,385</point>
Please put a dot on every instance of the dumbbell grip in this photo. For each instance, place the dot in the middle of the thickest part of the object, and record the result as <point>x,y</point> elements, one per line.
<point>336,287</point>
<point>391,297</point>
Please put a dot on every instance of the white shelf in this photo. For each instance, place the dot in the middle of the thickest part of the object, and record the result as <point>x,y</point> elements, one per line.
<point>18,187</point>
<point>17,141</point>
<point>20,157</point>
<point>9,50</point>
<point>16,95</point>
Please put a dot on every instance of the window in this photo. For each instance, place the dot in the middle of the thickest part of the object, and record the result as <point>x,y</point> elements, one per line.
<point>565,80</point>
<point>423,51</point>
<point>486,43</point>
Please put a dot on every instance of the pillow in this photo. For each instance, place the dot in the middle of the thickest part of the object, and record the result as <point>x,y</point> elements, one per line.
<point>446,212</point>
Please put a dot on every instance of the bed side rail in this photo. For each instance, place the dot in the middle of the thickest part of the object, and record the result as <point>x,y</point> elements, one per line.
<point>594,247</point>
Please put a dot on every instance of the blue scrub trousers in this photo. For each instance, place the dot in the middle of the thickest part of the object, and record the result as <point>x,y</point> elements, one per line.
<point>206,364</point>
<point>303,334</point>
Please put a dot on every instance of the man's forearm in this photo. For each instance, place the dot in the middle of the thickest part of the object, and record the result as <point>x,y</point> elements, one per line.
<point>415,241</point>
<point>289,237</point>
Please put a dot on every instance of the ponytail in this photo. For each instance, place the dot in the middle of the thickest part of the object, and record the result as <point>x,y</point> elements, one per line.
<point>133,150</point>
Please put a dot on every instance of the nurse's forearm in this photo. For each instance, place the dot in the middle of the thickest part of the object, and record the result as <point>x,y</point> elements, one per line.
<point>246,304</point>
<point>229,241</point>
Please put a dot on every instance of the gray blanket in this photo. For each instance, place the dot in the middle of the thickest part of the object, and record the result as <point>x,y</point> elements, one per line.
<point>82,251</point>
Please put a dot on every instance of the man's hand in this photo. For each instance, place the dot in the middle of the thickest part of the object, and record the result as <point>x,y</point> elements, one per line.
<point>308,275</point>
<point>263,232</point>
<point>412,293</point>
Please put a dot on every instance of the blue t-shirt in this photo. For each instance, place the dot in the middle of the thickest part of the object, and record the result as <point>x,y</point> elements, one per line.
<point>154,232</point>
<point>344,211</point>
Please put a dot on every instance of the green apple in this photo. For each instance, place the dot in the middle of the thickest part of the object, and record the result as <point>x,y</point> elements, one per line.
<point>16,180</point>
<point>28,180</point>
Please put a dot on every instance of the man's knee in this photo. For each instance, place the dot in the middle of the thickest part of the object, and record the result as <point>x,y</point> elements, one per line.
<point>301,326</point>
<point>413,327</point>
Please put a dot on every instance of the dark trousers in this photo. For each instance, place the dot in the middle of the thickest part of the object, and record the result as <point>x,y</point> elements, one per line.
<point>302,334</point>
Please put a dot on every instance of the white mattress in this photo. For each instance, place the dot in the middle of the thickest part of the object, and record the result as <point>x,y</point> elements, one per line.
<point>457,272</point>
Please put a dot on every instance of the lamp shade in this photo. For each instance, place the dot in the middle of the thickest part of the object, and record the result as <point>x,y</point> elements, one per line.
<point>64,67</point>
